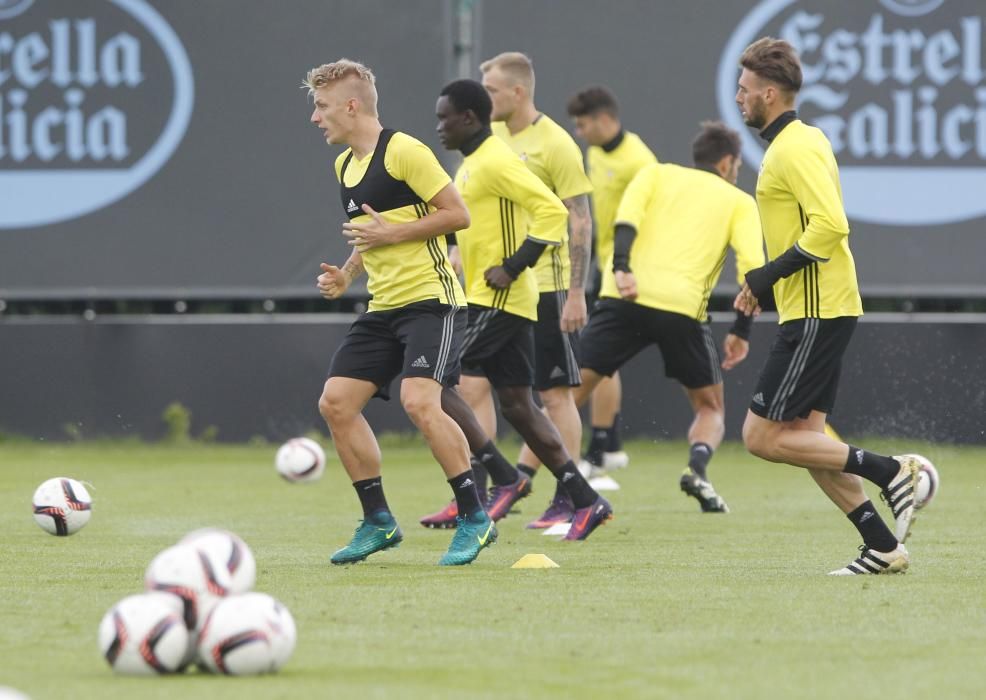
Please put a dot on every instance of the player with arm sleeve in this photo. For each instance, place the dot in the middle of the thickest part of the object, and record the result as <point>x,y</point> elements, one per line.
<point>672,231</point>
<point>499,250</point>
<point>813,278</point>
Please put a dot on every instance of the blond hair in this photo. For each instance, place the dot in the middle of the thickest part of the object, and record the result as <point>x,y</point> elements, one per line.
<point>517,67</point>
<point>361,78</point>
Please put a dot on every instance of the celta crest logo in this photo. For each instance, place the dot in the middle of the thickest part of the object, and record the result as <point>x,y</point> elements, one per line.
<point>94,100</point>
<point>899,88</point>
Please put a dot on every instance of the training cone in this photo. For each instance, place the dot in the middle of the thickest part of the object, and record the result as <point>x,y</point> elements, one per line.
<point>534,561</point>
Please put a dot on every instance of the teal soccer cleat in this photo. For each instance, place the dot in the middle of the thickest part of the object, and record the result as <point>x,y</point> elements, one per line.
<point>472,533</point>
<point>375,534</point>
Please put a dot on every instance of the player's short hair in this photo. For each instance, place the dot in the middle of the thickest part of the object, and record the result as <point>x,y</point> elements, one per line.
<point>363,80</point>
<point>469,94</point>
<point>776,61</point>
<point>593,100</point>
<point>713,142</point>
<point>516,66</point>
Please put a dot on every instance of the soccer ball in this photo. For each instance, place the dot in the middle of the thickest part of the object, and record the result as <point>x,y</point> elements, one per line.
<point>927,482</point>
<point>144,635</point>
<point>225,546</point>
<point>300,460</point>
<point>194,576</point>
<point>245,635</point>
<point>62,506</point>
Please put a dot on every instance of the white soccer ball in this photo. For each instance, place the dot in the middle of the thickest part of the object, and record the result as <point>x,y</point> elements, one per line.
<point>193,575</point>
<point>300,460</point>
<point>927,482</point>
<point>225,546</point>
<point>62,506</point>
<point>246,635</point>
<point>145,635</point>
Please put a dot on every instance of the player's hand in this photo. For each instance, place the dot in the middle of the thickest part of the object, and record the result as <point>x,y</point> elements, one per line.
<point>626,285</point>
<point>574,313</point>
<point>736,349</point>
<point>498,278</point>
<point>366,235</point>
<point>455,259</point>
<point>746,303</point>
<point>333,282</point>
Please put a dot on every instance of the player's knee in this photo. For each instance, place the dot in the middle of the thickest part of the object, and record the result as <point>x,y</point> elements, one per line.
<point>516,407</point>
<point>419,406</point>
<point>333,407</point>
<point>759,442</point>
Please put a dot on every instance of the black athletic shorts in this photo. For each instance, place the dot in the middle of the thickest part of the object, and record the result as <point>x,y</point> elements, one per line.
<point>802,371</point>
<point>499,346</point>
<point>423,339</point>
<point>556,358</point>
<point>618,330</point>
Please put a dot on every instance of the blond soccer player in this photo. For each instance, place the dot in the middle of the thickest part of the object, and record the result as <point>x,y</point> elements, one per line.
<point>400,204</point>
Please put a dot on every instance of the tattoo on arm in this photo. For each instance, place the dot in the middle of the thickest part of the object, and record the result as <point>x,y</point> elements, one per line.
<point>579,239</point>
<point>353,267</point>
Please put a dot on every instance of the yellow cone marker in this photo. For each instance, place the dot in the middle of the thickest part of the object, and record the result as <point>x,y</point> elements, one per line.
<point>830,431</point>
<point>534,561</point>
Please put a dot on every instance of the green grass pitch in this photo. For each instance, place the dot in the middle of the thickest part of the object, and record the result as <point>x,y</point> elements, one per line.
<point>663,602</point>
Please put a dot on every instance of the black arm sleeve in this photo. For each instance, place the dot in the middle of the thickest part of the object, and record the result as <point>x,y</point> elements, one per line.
<point>450,239</point>
<point>623,237</point>
<point>523,257</point>
<point>742,325</point>
<point>762,279</point>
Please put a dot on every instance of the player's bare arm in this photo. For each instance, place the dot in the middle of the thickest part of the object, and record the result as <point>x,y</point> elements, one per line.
<point>735,350</point>
<point>334,281</point>
<point>574,314</point>
<point>450,214</point>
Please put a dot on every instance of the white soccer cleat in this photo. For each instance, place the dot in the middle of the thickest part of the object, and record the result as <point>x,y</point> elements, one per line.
<point>899,495</point>
<point>871,561</point>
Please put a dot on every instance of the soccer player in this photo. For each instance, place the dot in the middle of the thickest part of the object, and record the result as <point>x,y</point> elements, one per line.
<point>551,154</point>
<point>813,277</point>
<point>673,228</point>
<point>562,272</point>
<point>498,249</point>
<point>613,156</point>
<point>401,203</point>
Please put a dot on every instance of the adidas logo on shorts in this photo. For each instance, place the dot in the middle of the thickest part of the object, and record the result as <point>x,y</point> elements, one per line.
<point>556,372</point>
<point>351,206</point>
<point>758,399</point>
<point>421,363</point>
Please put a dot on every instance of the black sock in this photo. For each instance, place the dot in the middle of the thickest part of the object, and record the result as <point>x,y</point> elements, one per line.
<point>527,471</point>
<point>466,494</point>
<point>500,470</point>
<point>699,455</point>
<point>370,492</point>
<point>479,474</point>
<point>876,535</point>
<point>597,445</point>
<point>578,488</point>
<point>614,440</point>
<point>561,494</point>
<point>872,467</point>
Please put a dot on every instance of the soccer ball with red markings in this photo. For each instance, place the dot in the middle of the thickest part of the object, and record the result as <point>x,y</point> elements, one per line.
<point>927,482</point>
<point>227,547</point>
<point>62,506</point>
<point>145,635</point>
<point>300,460</point>
<point>246,635</point>
<point>196,577</point>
